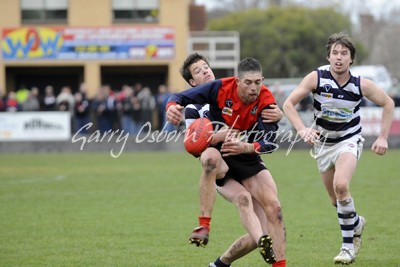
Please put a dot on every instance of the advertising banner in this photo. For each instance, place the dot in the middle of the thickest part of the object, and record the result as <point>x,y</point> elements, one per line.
<point>35,126</point>
<point>371,118</point>
<point>38,43</point>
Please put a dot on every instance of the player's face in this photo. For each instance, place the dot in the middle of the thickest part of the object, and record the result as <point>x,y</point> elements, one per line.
<point>249,86</point>
<point>201,73</point>
<point>340,59</point>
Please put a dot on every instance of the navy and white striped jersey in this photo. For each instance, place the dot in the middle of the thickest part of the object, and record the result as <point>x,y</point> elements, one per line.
<point>337,108</point>
<point>195,111</point>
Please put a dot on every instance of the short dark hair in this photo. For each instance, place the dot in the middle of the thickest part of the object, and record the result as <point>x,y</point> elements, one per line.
<point>342,39</point>
<point>191,59</point>
<point>248,65</point>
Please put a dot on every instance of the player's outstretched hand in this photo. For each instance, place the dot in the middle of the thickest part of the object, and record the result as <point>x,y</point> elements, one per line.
<point>174,114</point>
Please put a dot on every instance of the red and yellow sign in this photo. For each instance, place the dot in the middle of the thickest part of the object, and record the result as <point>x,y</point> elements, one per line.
<point>88,43</point>
<point>32,42</point>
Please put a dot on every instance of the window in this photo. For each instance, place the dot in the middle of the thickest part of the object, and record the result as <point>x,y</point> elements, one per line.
<point>135,11</point>
<point>44,11</point>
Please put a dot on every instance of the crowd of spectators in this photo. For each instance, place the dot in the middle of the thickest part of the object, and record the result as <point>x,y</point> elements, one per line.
<point>133,109</point>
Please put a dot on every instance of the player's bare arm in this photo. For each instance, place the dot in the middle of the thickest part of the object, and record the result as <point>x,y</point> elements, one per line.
<point>274,114</point>
<point>371,91</point>
<point>223,134</point>
<point>306,86</point>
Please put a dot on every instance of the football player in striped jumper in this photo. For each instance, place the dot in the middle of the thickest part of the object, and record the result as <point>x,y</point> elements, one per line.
<point>336,132</point>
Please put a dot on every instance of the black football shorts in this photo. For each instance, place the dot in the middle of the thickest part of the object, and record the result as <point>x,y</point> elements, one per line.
<point>242,167</point>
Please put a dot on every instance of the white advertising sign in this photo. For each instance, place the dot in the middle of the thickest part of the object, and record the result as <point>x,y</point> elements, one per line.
<point>371,118</point>
<point>35,126</point>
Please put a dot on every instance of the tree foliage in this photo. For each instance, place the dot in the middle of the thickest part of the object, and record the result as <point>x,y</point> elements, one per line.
<point>289,42</point>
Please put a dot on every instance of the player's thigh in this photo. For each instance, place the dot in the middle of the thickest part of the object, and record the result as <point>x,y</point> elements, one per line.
<point>231,190</point>
<point>345,166</point>
<point>347,154</point>
<point>262,187</point>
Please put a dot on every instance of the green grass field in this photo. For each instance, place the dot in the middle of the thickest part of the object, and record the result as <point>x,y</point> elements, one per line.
<point>89,209</point>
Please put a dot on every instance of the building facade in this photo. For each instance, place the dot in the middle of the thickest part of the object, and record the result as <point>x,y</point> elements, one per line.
<point>69,42</point>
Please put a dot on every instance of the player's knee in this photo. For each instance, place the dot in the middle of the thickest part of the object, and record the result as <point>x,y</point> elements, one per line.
<point>243,199</point>
<point>210,161</point>
<point>276,211</point>
<point>341,189</point>
<point>209,165</point>
<point>222,172</point>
